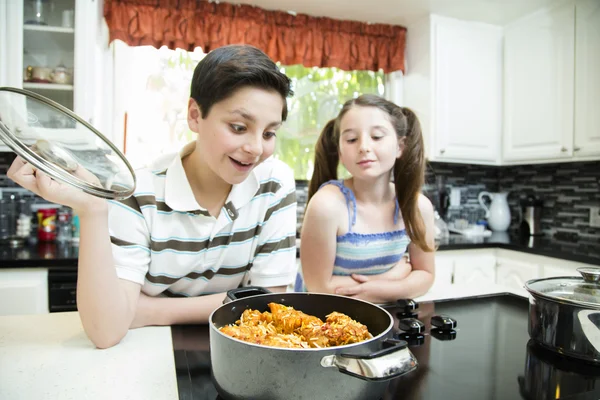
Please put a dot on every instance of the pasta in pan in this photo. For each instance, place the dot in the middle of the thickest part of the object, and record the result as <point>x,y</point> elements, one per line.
<point>287,327</point>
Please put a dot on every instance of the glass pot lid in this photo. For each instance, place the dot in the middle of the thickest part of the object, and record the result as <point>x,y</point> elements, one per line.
<point>575,290</point>
<point>55,140</point>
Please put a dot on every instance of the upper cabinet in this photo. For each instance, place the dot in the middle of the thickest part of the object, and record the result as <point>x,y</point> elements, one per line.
<point>538,85</point>
<point>454,84</point>
<point>52,48</point>
<point>587,79</point>
<point>552,85</point>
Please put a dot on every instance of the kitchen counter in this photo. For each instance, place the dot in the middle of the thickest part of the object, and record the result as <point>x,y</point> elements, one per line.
<point>48,356</point>
<point>579,251</point>
<point>41,254</point>
<point>56,254</point>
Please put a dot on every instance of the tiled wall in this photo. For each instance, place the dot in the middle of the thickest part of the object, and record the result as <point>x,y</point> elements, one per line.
<point>471,179</point>
<point>568,191</point>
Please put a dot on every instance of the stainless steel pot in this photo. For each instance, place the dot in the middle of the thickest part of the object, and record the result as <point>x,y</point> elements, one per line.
<point>549,376</point>
<point>243,370</point>
<point>564,314</point>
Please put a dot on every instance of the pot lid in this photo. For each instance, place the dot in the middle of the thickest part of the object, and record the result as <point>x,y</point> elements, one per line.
<point>63,145</point>
<point>583,291</point>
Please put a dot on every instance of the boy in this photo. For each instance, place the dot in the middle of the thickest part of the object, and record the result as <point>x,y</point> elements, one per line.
<point>211,218</point>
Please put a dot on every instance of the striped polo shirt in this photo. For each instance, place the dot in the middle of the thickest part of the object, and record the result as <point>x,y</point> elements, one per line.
<point>163,240</point>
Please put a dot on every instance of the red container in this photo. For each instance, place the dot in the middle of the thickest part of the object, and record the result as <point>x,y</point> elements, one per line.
<point>47,224</point>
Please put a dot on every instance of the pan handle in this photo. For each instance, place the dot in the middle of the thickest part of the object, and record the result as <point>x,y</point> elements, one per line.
<point>394,360</point>
<point>240,293</point>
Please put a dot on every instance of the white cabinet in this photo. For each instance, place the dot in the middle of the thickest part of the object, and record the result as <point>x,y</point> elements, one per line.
<point>587,78</point>
<point>539,63</point>
<point>514,273</point>
<point>552,85</point>
<point>550,271</point>
<point>444,271</point>
<point>475,268</point>
<point>23,291</point>
<point>51,45</point>
<point>453,83</point>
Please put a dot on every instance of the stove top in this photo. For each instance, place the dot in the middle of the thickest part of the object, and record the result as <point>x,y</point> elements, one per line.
<point>489,356</point>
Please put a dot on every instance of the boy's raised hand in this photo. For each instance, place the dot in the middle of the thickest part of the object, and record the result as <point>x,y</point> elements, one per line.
<point>38,182</point>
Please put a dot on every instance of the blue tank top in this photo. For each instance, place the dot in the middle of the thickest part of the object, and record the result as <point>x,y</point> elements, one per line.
<point>363,253</point>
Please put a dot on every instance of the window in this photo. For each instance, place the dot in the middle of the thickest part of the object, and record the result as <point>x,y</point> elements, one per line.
<point>153,87</point>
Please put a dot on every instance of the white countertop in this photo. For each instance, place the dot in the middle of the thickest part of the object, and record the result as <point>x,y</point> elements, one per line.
<point>48,356</point>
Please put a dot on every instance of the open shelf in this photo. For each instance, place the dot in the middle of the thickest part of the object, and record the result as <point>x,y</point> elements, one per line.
<point>47,28</point>
<point>46,86</point>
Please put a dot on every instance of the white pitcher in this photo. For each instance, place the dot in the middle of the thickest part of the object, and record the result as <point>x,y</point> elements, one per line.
<point>498,214</point>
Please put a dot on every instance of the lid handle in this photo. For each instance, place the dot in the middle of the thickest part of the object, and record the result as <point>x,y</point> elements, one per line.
<point>590,274</point>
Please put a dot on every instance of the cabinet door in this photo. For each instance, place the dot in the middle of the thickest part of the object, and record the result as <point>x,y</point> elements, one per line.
<point>587,78</point>
<point>11,43</point>
<point>23,291</point>
<point>549,271</point>
<point>444,272</point>
<point>538,81</point>
<point>476,269</point>
<point>467,91</point>
<point>514,274</point>
<point>87,61</point>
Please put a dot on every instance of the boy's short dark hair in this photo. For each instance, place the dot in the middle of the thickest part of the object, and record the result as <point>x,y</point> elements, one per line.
<point>228,68</point>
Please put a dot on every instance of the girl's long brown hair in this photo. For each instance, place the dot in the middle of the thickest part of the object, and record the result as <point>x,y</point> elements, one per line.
<point>408,171</point>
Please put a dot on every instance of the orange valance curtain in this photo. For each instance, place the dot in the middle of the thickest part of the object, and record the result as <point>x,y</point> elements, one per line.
<point>300,39</point>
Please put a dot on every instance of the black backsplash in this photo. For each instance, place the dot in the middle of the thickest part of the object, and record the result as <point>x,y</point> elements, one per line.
<point>567,189</point>
<point>6,159</point>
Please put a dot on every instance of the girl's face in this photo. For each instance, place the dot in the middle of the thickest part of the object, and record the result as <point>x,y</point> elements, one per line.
<point>238,133</point>
<point>368,143</point>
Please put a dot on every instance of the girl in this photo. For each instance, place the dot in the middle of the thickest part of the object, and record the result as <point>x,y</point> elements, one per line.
<point>358,232</point>
<point>219,214</point>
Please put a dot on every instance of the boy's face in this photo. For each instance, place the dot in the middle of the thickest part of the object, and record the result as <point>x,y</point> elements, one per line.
<point>368,143</point>
<point>238,133</point>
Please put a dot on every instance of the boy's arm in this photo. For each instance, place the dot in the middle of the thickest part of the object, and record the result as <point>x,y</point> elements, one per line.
<point>106,304</point>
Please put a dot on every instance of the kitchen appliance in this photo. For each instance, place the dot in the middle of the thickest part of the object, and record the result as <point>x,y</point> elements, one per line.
<point>73,153</point>
<point>498,213</point>
<point>244,370</point>
<point>530,216</point>
<point>485,357</point>
<point>62,289</point>
<point>564,314</point>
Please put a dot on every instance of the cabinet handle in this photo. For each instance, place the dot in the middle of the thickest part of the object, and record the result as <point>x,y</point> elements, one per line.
<point>577,149</point>
<point>563,149</point>
<point>442,151</point>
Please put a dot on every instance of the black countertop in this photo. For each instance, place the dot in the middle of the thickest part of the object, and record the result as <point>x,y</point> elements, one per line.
<point>580,250</point>
<point>55,254</point>
<point>488,356</point>
<point>41,254</point>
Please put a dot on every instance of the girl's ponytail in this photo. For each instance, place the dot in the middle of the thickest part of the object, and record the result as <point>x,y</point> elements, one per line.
<point>409,176</point>
<point>326,159</point>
